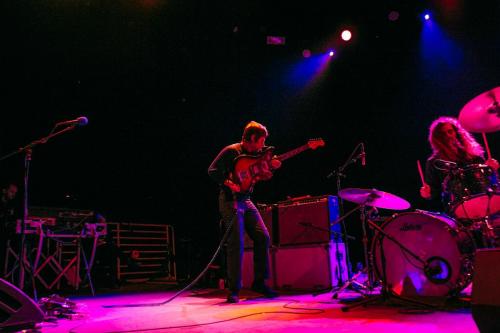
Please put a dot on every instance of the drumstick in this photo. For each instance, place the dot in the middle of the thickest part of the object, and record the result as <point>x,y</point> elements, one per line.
<point>488,153</point>
<point>421,173</point>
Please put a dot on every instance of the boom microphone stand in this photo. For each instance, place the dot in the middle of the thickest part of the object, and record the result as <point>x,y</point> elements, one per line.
<point>28,150</point>
<point>339,173</point>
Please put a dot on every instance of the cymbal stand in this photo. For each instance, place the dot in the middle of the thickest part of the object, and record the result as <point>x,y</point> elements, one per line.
<point>369,284</point>
<point>352,279</point>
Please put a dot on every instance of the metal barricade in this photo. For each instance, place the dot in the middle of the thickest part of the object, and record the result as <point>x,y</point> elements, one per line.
<point>147,250</point>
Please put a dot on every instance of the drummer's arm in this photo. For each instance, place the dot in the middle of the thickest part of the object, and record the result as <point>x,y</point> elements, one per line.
<point>432,186</point>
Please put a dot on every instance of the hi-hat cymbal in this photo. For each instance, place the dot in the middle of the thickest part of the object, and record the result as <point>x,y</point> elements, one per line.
<point>482,113</point>
<point>374,198</point>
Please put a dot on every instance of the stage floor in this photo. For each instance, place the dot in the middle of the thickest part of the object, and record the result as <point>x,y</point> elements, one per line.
<point>206,311</point>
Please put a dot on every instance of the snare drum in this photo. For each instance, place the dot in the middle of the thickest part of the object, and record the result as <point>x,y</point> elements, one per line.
<point>446,249</point>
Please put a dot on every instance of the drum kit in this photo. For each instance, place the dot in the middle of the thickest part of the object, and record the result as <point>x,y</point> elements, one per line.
<point>422,255</point>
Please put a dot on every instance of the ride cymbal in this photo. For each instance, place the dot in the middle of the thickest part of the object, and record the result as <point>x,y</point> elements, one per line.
<point>482,113</point>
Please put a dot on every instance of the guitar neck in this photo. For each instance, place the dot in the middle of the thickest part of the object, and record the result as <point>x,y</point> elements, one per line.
<point>293,152</point>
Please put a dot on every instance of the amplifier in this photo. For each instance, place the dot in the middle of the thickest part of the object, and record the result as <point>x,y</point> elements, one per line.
<point>485,291</point>
<point>247,272</point>
<point>267,212</point>
<point>310,267</point>
<point>308,220</point>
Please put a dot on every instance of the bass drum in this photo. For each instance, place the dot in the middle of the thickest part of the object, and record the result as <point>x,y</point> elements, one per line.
<point>446,250</point>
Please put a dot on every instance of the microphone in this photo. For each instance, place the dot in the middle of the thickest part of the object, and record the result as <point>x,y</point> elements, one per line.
<point>363,155</point>
<point>80,121</point>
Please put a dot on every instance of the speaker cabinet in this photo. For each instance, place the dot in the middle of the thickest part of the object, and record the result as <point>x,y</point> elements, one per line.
<point>267,213</point>
<point>308,220</point>
<point>247,274</point>
<point>310,267</point>
<point>17,310</point>
<point>486,291</point>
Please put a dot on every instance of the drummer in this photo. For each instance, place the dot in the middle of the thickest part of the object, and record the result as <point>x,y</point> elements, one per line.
<point>452,147</point>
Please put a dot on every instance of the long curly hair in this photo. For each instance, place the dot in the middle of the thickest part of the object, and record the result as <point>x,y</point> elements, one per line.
<point>468,146</point>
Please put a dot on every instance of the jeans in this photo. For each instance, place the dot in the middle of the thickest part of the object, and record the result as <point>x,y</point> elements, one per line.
<point>241,215</point>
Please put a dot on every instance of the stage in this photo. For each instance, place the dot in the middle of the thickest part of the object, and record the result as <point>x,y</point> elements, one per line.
<point>115,112</point>
<point>205,310</point>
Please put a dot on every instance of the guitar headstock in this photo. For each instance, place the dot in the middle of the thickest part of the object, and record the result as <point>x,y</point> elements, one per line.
<point>315,143</point>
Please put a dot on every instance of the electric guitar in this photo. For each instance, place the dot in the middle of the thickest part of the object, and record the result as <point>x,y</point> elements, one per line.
<point>250,169</point>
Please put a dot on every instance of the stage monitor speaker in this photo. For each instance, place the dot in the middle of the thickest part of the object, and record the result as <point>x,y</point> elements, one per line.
<point>486,291</point>
<point>267,213</point>
<point>308,220</point>
<point>17,310</point>
<point>310,267</point>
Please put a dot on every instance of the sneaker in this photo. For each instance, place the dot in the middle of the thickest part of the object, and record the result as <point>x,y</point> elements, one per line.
<point>261,288</point>
<point>233,298</point>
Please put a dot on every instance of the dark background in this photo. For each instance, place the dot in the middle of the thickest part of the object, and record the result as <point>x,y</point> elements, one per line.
<point>166,84</point>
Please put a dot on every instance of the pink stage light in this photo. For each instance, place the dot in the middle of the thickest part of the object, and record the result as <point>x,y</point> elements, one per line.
<point>275,40</point>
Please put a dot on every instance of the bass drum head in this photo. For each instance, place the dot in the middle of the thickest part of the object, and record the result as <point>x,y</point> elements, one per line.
<point>446,251</point>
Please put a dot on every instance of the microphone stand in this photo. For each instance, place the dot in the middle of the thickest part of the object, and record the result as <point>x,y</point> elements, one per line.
<point>28,151</point>
<point>339,173</point>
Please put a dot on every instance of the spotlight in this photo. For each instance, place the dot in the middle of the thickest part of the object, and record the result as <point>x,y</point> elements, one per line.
<point>306,53</point>
<point>427,16</point>
<point>331,53</point>
<point>275,40</point>
<point>393,15</point>
<point>346,35</point>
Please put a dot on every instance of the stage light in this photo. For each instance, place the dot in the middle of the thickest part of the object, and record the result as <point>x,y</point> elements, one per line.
<point>393,15</point>
<point>275,40</point>
<point>331,53</point>
<point>346,35</point>
<point>427,16</point>
<point>306,53</point>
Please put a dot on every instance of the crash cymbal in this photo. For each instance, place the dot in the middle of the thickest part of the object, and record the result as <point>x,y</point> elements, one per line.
<point>374,198</point>
<point>482,113</point>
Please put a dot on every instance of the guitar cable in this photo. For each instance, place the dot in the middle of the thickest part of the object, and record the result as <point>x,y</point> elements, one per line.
<point>186,288</point>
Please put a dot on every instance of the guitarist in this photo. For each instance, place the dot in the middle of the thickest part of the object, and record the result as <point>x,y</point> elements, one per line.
<point>240,214</point>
